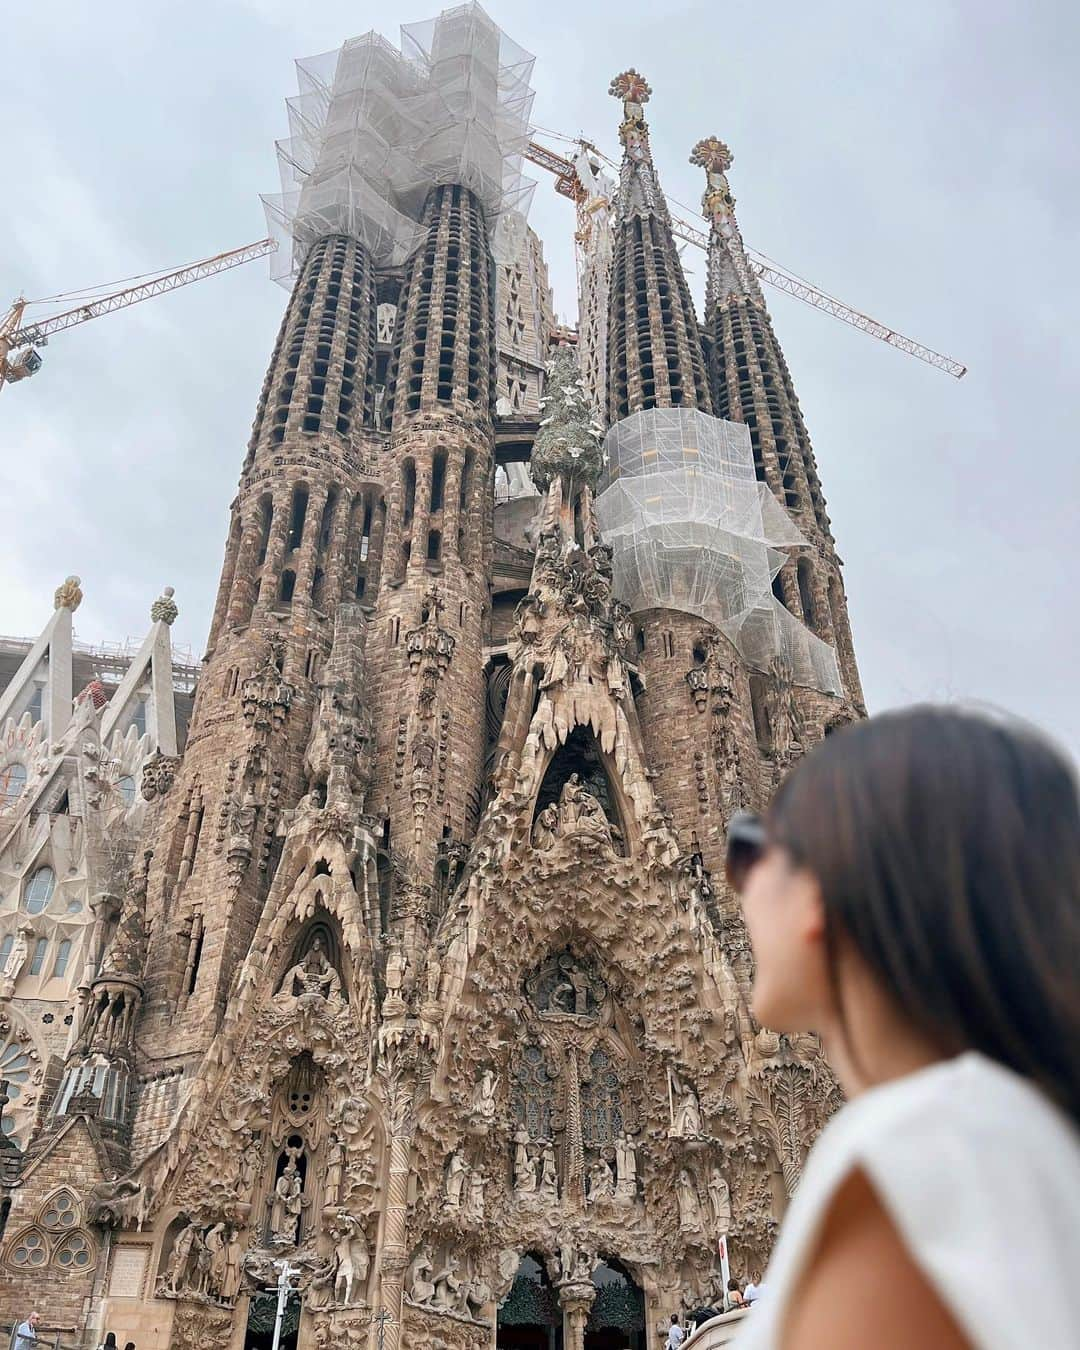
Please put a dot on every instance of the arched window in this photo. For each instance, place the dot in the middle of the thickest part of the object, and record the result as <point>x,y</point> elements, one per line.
<point>75,1252</point>
<point>29,1250</point>
<point>63,955</point>
<point>12,782</point>
<point>5,948</point>
<point>805,573</point>
<point>138,719</point>
<point>531,1306</point>
<point>759,704</point>
<point>59,1213</point>
<point>288,585</point>
<point>39,890</point>
<point>125,785</point>
<point>38,958</point>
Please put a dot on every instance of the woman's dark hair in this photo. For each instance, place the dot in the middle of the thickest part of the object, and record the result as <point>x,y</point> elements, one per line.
<point>947,846</point>
<point>733,1285</point>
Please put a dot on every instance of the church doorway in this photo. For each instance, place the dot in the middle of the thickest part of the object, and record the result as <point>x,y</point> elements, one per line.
<point>530,1317</point>
<point>262,1311</point>
<point>617,1316</point>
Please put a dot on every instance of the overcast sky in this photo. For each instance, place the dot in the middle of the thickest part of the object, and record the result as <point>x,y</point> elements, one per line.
<point>917,160</point>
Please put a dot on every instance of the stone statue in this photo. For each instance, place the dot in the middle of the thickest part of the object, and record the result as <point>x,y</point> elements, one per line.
<point>447,1285</point>
<point>546,826</point>
<point>17,958</point>
<point>626,1166</point>
<point>524,1163</point>
<point>483,1098</point>
<point>396,964</point>
<point>720,1200</point>
<point>549,1178</point>
<point>601,1182</point>
<point>456,1169</point>
<point>421,1288</point>
<point>233,1266</point>
<point>287,1205</point>
<point>313,975</point>
<point>250,1166</point>
<point>689,1203</point>
<point>474,1205</point>
<point>351,1257</point>
<point>335,1165</point>
<point>686,1120</point>
<point>181,1258</point>
<point>215,1244</point>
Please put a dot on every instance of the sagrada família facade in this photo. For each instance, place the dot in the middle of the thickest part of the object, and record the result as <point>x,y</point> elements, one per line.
<point>407,959</point>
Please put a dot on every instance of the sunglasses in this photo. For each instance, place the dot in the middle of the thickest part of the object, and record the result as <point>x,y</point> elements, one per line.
<point>746,843</point>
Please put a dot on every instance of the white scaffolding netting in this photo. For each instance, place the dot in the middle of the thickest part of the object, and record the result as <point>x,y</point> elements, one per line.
<point>374,128</point>
<point>692,529</point>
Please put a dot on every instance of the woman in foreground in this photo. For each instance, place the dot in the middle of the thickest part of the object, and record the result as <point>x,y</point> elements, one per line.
<point>913,896</point>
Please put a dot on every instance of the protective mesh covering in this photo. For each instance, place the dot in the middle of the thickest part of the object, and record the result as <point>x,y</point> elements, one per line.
<point>373,129</point>
<point>693,530</point>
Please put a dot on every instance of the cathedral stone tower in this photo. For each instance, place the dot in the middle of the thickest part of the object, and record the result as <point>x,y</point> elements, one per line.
<point>420,991</point>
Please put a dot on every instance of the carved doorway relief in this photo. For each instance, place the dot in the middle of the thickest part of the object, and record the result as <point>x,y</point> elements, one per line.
<point>617,1316</point>
<point>262,1311</point>
<point>530,1317</point>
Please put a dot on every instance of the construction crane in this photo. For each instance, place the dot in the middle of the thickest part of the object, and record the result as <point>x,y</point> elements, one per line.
<point>568,184</point>
<point>25,338</point>
<point>20,340</point>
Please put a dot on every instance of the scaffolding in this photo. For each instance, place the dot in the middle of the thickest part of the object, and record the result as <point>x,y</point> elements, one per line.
<point>374,128</point>
<point>693,530</point>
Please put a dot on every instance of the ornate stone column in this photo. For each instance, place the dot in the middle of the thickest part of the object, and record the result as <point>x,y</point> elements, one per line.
<point>575,1301</point>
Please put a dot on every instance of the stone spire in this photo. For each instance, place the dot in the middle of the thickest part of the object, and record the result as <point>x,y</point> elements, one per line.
<point>729,271</point>
<point>655,357</point>
<point>751,383</point>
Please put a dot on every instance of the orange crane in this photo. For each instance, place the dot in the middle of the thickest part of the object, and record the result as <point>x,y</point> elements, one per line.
<point>568,184</point>
<point>24,338</point>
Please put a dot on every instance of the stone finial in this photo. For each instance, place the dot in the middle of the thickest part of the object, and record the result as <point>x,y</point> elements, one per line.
<point>69,595</point>
<point>712,155</point>
<point>634,91</point>
<point>631,87</point>
<point>164,609</point>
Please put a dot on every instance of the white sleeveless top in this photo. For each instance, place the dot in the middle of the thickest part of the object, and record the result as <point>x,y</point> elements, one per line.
<point>981,1176</point>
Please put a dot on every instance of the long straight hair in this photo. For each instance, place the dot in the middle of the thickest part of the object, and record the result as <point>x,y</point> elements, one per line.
<point>946,843</point>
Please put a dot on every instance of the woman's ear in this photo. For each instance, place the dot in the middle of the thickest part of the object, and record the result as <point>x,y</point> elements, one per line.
<point>807,911</point>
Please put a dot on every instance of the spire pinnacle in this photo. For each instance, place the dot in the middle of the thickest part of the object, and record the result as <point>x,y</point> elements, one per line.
<point>729,269</point>
<point>635,91</point>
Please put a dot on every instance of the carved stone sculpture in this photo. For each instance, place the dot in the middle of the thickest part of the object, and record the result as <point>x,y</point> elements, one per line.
<point>483,1098</point>
<point>287,1205</point>
<point>720,1200</point>
<point>686,1121</point>
<point>421,1285</point>
<point>626,1167</point>
<point>351,1258</point>
<point>689,1203</point>
<point>456,1169</point>
<point>313,976</point>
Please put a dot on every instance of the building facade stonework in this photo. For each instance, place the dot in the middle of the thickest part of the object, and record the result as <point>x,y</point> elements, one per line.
<point>417,969</point>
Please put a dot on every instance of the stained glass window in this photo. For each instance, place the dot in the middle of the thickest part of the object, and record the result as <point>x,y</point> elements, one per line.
<point>601,1101</point>
<point>12,782</point>
<point>60,1212</point>
<point>74,1253</point>
<point>39,890</point>
<point>534,1092</point>
<point>29,1249</point>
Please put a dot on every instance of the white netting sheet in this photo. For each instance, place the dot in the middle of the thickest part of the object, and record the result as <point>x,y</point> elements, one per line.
<point>693,530</point>
<point>373,129</point>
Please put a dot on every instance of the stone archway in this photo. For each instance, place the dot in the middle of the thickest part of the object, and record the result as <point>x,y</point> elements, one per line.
<point>530,1317</point>
<point>616,1319</point>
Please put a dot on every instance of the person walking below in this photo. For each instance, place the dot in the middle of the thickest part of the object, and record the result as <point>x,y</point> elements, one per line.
<point>676,1335</point>
<point>913,896</point>
<point>26,1336</point>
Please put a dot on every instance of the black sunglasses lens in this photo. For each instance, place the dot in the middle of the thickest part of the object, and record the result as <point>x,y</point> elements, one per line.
<point>745,845</point>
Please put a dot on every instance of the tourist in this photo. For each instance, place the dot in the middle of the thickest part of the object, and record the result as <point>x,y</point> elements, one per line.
<point>754,1287</point>
<point>26,1336</point>
<point>734,1294</point>
<point>676,1335</point>
<point>915,899</point>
